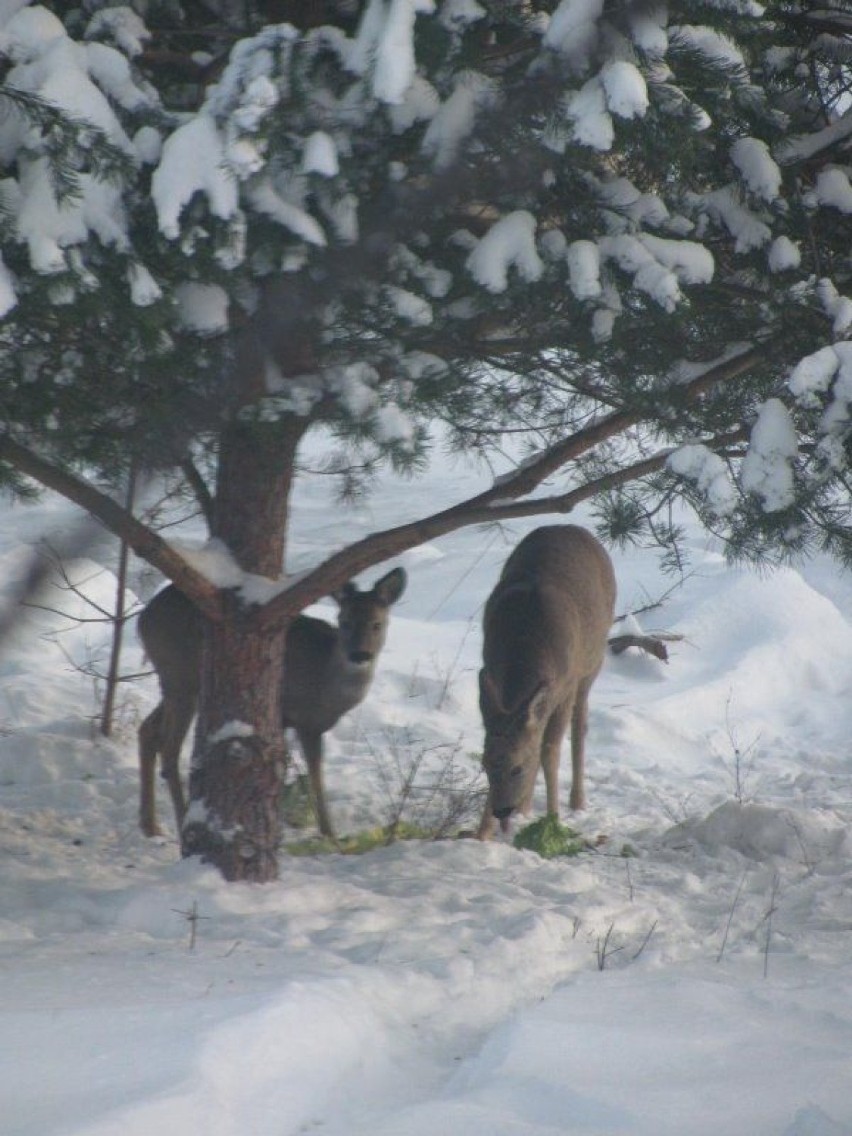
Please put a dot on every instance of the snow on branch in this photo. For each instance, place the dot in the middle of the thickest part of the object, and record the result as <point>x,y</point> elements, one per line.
<point>193,161</point>
<point>767,468</point>
<point>384,44</point>
<point>696,462</point>
<point>759,170</point>
<point>658,265</point>
<point>509,243</point>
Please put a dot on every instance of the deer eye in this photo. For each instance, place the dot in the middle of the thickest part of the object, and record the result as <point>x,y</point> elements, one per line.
<point>517,770</point>
<point>377,626</point>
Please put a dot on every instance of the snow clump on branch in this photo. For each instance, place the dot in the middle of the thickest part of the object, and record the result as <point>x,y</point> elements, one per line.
<point>509,243</point>
<point>696,463</point>
<point>767,468</point>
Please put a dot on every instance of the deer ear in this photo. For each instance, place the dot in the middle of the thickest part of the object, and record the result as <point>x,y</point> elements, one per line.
<point>390,587</point>
<point>536,705</point>
<point>345,593</point>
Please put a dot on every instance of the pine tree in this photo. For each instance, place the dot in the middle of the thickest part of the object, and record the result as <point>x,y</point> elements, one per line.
<point>617,230</point>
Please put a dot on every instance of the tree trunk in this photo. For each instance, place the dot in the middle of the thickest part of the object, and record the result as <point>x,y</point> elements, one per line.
<point>240,754</point>
<point>253,485</point>
<point>118,620</point>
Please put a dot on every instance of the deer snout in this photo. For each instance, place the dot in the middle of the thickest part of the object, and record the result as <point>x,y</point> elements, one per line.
<point>360,657</point>
<point>503,815</point>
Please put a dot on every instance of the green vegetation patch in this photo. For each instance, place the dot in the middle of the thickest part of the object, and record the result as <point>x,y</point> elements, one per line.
<point>297,808</point>
<point>550,838</point>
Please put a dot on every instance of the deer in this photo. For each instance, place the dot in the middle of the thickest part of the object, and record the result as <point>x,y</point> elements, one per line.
<point>545,630</point>
<point>327,671</point>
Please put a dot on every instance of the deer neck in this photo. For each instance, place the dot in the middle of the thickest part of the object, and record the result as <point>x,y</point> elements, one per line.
<point>349,678</point>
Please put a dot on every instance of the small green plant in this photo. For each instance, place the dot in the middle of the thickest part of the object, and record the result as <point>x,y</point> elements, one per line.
<point>550,838</point>
<point>297,808</point>
<point>358,842</point>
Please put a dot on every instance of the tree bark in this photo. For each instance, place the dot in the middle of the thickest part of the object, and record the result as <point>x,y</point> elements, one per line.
<point>118,620</point>
<point>254,479</point>
<point>240,754</point>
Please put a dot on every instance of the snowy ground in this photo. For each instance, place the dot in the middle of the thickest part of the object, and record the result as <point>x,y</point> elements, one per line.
<point>451,988</point>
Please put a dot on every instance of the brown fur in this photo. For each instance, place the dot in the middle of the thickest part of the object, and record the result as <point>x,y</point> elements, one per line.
<point>545,631</point>
<point>328,670</point>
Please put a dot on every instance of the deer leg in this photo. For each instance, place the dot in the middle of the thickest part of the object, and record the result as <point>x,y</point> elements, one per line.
<point>177,718</point>
<point>551,751</point>
<point>579,724</point>
<point>149,745</point>
<point>488,822</point>
<point>311,744</point>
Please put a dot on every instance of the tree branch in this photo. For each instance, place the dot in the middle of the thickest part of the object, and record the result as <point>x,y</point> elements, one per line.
<point>200,491</point>
<point>495,504</point>
<point>143,540</point>
<point>373,549</point>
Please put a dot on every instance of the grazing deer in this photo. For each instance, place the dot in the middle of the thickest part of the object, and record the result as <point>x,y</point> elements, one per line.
<point>545,632</point>
<point>328,670</point>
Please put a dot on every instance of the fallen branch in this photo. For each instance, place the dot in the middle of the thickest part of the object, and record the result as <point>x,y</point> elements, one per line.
<point>654,644</point>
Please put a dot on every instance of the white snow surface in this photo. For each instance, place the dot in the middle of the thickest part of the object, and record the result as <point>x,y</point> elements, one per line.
<point>450,987</point>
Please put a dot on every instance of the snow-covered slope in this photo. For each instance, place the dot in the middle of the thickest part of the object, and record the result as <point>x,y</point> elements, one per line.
<point>450,987</point>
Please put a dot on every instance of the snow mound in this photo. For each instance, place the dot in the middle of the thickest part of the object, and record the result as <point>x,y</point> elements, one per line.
<point>762,832</point>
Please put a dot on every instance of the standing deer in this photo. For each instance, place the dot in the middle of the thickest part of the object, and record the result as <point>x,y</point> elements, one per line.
<point>328,670</point>
<point>545,632</point>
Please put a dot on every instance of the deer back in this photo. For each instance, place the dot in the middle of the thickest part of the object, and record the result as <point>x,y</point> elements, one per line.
<point>549,616</point>
<point>545,630</point>
<point>170,629</point>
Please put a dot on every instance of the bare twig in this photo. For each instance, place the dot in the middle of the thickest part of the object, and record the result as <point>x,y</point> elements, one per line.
<point>448,676</point>
<point>645,941</point>
<point>438,801</point>
<point>743,759</point>
<point>731,917</point>
<point>773,895</point>
<point>145,543</point>
<point>652,605</point>
<point>602,949</point>
<point>193,918</point>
